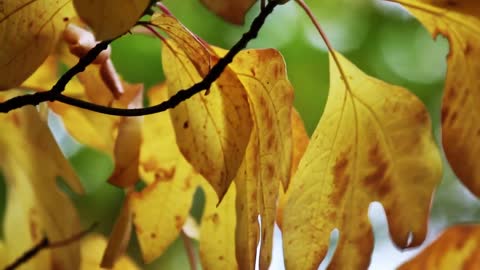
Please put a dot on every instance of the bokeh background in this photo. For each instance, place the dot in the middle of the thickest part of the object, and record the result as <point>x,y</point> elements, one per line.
<point>379,37</point>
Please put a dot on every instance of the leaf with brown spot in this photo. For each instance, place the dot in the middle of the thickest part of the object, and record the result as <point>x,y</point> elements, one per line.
<point>171,184</point>
<point>35,206</point>
<point>219,124</point>
<point>459,21</point>
<point>373,143</point>
<point>110,18</point>
<point>458,247</point>
<point>300,142</point>
<point>217,230</point>
<point>267,162</point>
<point>230,11</point>
<point>30,31</point>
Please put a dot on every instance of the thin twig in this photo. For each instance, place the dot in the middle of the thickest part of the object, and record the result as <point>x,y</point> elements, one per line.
<point>180,96</point>
<point>189,248</point>
<point>46,244</point>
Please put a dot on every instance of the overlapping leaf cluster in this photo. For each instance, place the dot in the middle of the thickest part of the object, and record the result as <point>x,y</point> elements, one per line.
<point>242,142</point>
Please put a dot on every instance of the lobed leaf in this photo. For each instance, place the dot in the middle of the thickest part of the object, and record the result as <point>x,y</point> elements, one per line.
<point>110,18</point>
<point>459,21</point>
<point>458,247</point>
<point>373,143</point>
<point>29,31</point>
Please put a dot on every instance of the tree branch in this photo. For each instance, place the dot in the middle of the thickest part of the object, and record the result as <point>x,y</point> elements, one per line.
<point>45,244</point>
<point>55,94</point>
<point>59,87</point>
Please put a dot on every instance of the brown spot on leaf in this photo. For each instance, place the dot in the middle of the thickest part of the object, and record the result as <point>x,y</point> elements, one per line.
<point>270,142</point>
<point>468,49</point>
<point>164,174</point>
<point>220,258</point>
<point>422,116</point>
<point>444,114</point>
<point>33,229</point>
<point>153,235</point>
<point>185,124</point>
<point>215,219</point>
<point>341,178</point>
<point>178,222</point>
<point>16,120</point>
<point>270,171</point>
<point>454,117</point>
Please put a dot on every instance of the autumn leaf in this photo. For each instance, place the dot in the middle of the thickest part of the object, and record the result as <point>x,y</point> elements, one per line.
<point>35,205</point>
<point>110,18</point>
<point>267,162</point>
<point>90,128</point>
<point>457,247</point>
<point>459,21</point>
<point>373,143</point>
<point>230,11</point>
<point>171,183</point>
<point>3,255</point>
<point>217,230</point>
<point>212,130</point>
<point>29,32</point>
<point>300,142</point>
<point>127,147</point>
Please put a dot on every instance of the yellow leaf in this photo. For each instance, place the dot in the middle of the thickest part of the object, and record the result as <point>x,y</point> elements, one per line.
<point>373,143</point>
<point>217,230</point>
<point>127,148</point>
<point>268,159</point>
<point>35,205</point>
<point>230,11</point>
<point>212,130</point>
<point>45,76</point>
<point>456,248</point>
<point>110,18</point>
<point>91,128</point>
<point>127,152</point>
<point>3,255</point>
<point>460,112</point>
<point>300,142</point>
<point>92,249</point>
<point>172,183</point>
<point>29,31</point>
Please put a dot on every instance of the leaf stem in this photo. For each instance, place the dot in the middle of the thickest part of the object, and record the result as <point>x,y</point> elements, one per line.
<point>187,242</point>
<point>315,22</point>
<point>55,94</point>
